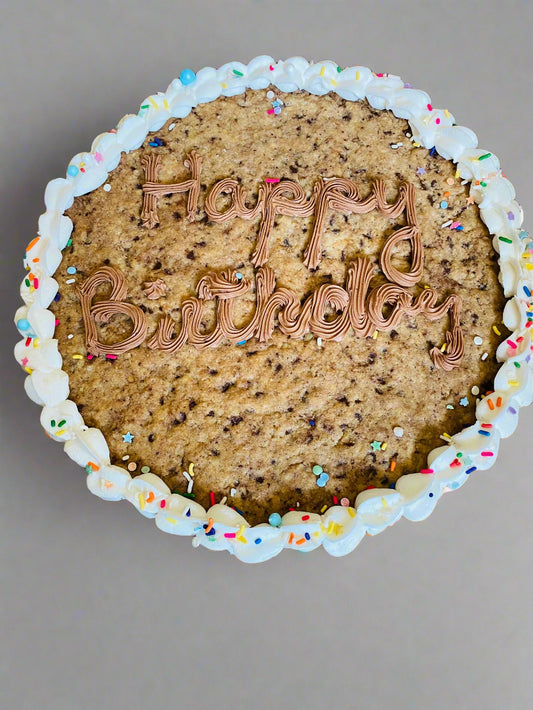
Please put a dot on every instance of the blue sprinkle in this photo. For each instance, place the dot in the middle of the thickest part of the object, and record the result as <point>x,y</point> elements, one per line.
<point>72,170</point>
<point>307,536</point>
<point>459,228</point>
<point>238,511</point>
<point>444,204</point>
<point>523,234</point>
<point>322,480</point>
<point>431,495</point>
<point>238,275</point>
<point>276,103</point>
<point>454,485</point>
<point>311,422</point>
<point>527,291</point>
<point>188,513</point>
<point>211,532</point>
<point>243,342</point>
<point>485,433</point>
<point>511,409</point>
<point>71,270</point>
<point>277,110</point>
<point>57,297</point>
<point>433,151</point>
<point>258,540</point>
<point>23,324</point>
<point>187,76</point>
<point>471,470</point>
<point>392,485</point>
<point>275,520</point>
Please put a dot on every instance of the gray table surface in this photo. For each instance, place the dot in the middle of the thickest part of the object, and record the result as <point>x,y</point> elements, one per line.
<point>100,609</point>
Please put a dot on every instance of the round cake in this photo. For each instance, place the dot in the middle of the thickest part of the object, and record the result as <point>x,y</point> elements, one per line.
<point>281,306</point>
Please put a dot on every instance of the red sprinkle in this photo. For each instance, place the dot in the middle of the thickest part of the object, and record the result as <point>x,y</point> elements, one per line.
<point>486,426</point>
<point>230,534</point>
<point>305,517</point>
<point>487,453</point>
<point>437,121</point>
<point>36,282</point>
<point>511,344</point>
<point>28,342</point>
<point>90,357</point>
<point>57,322</point>
<point>430,107</point>
<point>162,504</point>
<point>212,497</point>
<point>455,462</point>
<point>426,470</point>
<point>111,357</point>
<point>335,500</point>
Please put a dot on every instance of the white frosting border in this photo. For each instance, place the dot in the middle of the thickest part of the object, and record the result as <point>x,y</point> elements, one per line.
<point>340,528</point>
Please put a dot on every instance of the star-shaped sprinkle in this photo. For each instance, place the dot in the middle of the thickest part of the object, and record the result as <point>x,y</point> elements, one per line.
<point>464,402</point>
<point>376,445</point>
<point>127,438</point>
<point>420,171</point>
<point>24,361</point>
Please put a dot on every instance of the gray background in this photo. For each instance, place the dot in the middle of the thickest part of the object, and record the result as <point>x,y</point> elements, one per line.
<point>101,610</point>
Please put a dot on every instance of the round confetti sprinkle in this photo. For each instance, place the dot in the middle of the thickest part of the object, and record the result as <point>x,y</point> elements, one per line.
<point>317,470</point>
<point>187,76</point>
<point>398,431</point>
<point>270,94</point>
<point>475,390</point>
<point>345,502</point>
<point>71,270</point>
<point>275,520</point>
<point>72,170</point>
<point>23,324</point>
<point>450,181</point>
<point>132,466</point>
<point>107,187</point>
<point>145,469</point>
<point>444,204</point>
<point>322,480</point>
<point>478,340</point>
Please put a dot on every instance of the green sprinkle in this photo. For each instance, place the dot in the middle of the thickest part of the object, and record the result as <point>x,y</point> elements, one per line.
<point>27,282</point>
<point>459,455</point>
<point>238,73</point>
<point>506,240</point>
<point>339,69</point>
<point>88,469</point>
<point>148,106</point>
<point>62,422</point>
<point>483,184</point>
<point>53,422</point>
<point>517,364</point>
<point>483,157</point>
<point>145,469</point>
<point>187,495</point>
<point>69,243</point>
<point>317,470</point>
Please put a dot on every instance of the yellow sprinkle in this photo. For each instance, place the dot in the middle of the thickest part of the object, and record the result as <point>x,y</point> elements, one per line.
<point>60,432</point>
<point>322,71</point>
<point>513,383</point>
<point>173,521</point>
<point>141,501</point>
<point>496,330</point>
<point>240,535</point>
<point>77,357</point>
<point>224,86</point>
<point>150,99</point>
<point>383,502</point>
<point>375,334</point>
<point>384,446</point>
<point>165,104</point>
<point>32,289</point>
<point>443,348</point>
<point>446,113</point>
<point>529,266</point>
<point>333,82</point>
<point>324,507</point>
<point>416,145</point>
<point>28,370</point>
<point>446,436</point>
<point>316,533</point>
<point>351,512</point>
<point>357,75</point>
<point>191,469</point>
<point>36,342</point>
<point>457,174</point>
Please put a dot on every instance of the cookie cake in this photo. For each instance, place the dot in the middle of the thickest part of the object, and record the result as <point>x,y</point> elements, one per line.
<point>281,306</point>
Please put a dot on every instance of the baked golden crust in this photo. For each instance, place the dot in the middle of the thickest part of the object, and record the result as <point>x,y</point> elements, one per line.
<point>256,417</point>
